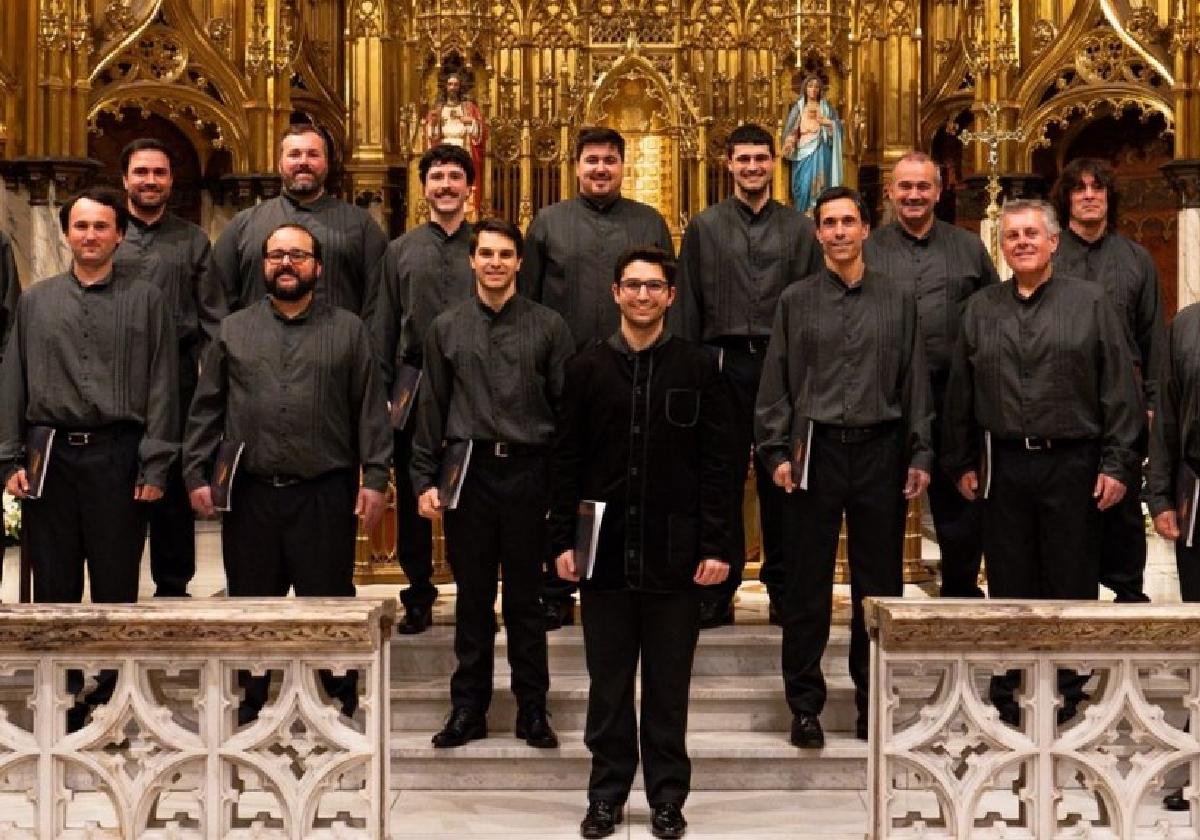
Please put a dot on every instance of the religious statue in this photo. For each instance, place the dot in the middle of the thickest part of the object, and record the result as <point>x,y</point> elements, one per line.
<point>457,120</point>
<point>812,141</point>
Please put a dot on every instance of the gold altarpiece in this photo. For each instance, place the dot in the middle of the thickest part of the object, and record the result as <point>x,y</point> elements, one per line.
<point>222,79</point>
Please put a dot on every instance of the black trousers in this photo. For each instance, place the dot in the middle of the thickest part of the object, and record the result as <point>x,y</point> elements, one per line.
<point>499,525</point>
<point>1123,548</point>
<point>87,514</point>
<point>1041,533</point>
<point>300,536</point>
<point>959,527</point>
<point>1187,561</point>
<point>865,481</point>
<point>414,533</point>
<point>172,523</point>
<point>619,626</point>
<point>741,364</point>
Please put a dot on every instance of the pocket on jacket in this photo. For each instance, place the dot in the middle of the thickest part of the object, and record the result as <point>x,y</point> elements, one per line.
<point>683,542</point>
<point>683,406</point>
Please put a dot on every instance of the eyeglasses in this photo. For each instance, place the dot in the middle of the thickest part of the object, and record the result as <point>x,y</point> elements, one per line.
<point>654,287</point>
<point>295,255</point>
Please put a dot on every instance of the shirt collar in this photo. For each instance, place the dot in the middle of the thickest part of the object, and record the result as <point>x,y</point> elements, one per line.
<point>1083,243</point>
<point>99,284</point>
<point>492,314</point>
<point>922,241</point>
<point>1037,295</point>
<point>835,278</point>
<point>310,207</point>
<point>141,226</point>
<point>463,230</point>
<point>598,207</point>
<point>749,215</point>
<point>617,342</point>
<point>298,319</point>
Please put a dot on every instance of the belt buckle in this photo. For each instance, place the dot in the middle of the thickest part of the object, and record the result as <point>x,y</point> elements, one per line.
<point>843,435</point>
<point>1034,444</point>
<point>282,481</point>
<point>79,438</point>
<point>500,449</point>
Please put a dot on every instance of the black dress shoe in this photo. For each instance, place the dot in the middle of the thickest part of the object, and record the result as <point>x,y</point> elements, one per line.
<point>807,732</point>
<point>860,728</point>
<point>601,819</point>
<point>558,614</point>
<point>1010,712</point>
<point>715,614</point>
<point>462,726</point>
<point>416,620</point>
<point>533,725</point>
<point>667,821</point>
<point>77,716</point>
<point>1175,801</point>
<point>247,713</point>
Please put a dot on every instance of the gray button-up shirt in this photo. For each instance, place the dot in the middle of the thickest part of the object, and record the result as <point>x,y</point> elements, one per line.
<point>302,393</point>
<point>86,357</point>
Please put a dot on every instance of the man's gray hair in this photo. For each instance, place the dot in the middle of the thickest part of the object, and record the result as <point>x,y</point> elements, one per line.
<point>1021,205</point>
<point>917,156</point>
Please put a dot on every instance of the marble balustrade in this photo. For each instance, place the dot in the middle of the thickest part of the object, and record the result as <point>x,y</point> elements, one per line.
<point>164,757</point>
<point>942,764</point>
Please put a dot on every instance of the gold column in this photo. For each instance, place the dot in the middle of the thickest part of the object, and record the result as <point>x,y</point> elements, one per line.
<point>991,45</point>
<point>266,67</point>
<point>525,213</point>
<point>1185,50</point>
<point>365,49</point>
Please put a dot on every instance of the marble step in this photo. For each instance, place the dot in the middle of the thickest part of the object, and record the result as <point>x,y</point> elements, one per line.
<point>749,704</point>
<point>722,760</point>
<point>738,650</point>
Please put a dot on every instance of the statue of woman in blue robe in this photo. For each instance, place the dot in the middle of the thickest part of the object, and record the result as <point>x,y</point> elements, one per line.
<point>812,141</point>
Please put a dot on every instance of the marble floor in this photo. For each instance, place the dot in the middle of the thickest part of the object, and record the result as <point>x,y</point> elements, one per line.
<point>712,815</point>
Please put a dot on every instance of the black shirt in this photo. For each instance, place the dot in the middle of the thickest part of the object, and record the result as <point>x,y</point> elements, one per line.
<point>1175,432</point>
<point>494,376</point>
<point>302,393</point>
<point>571,251</point>
<point>1054,365</point>
<point>942,270</point>
<point>648,432</point>
<point>351,244</point>
<point>848,356</point>
<point>422,274</point>
<point>87,357</point>
<point>1126,271</point>
<point>10,290</point>
<point>173,254</point>
<point>734,264</point>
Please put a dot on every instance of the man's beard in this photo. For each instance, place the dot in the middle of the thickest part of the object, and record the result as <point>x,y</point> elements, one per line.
<point>292,187</point>
<point>159,200</point>
<point>304,285</point>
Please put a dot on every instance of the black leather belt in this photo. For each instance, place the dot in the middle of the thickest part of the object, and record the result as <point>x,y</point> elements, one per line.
<point>1040,444</point>
<point>503,449</point>
<point>92,436</point>
<point>279,480</point>
<point>855,434</point>
<point>751,344</point>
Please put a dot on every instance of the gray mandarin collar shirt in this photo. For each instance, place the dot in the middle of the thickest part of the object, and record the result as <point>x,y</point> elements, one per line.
<point>302,393</point>
<point>1127,273</point>
<point>86,357</point>
<point>422,274</point>
<point>734,264</point>
<point>1054,365</point>
<point>848,356</point>
<point>942,270</point>
<point>173,254</point>
<point>351,245</point>
<point>493,376</point>
<point>571,251</point>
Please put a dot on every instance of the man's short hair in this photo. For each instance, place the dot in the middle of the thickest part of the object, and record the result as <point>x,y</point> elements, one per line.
<point>1021,205</point>
<point>300,129</point>
<point>101,195</point>
<point>1071,179</point>
<point>145,144</point>
<point>501,226</point>
<point>599,136</point>
<point>316,243</point>
<point>833,194</point>
<point>446,153</point>
<point>916,156</point>
<point>749,134</point>
<point>647,254</point>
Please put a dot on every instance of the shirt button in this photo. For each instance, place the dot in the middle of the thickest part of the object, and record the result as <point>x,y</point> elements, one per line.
<point>637,430</point>
<point>633,470</point>
<point>633,552</point>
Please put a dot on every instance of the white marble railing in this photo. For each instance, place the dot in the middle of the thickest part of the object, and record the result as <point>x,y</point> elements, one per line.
<point>944,765</point>
<point>164,758</point>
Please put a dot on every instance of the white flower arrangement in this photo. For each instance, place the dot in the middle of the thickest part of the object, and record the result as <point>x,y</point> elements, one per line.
<point>12,517</point>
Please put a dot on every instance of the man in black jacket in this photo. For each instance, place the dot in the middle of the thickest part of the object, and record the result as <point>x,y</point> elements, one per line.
<point>646,429</point>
